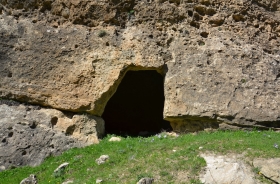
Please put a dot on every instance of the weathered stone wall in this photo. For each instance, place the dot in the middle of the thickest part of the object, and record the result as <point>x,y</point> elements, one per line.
<point>220,58</point>
<point>28,134</point>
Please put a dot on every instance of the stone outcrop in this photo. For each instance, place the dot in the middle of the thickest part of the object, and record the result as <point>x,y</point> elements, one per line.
<point>227,169</point>
<point>268,168</point>
<point>29,134</point>
<point>234,169</point>
<point>220,58</point>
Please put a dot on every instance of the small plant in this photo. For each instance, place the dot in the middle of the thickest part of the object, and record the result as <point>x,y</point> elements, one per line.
<point>220,29</point>
<point>59,173</point>
<point>163,173</point>
<point>201,43</point>
<point>102,33</point>
<point>195,181</point>
<point>142,175</point>
<point>256,170</point>
<point>131,12</point>
<point>243,80</point>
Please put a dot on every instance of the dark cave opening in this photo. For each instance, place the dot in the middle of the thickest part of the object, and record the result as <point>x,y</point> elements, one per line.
<point>136,108</point>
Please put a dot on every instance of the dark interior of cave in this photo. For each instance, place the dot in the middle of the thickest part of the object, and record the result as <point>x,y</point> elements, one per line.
<point>136,108</point>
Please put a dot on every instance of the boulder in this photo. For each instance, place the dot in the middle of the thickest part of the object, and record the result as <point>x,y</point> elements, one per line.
<point>145,181</point>
<point>98,181</point>
<point>29,180</point>
<point>115,139</point>
<point>102,159</point>
<point>29,134</point>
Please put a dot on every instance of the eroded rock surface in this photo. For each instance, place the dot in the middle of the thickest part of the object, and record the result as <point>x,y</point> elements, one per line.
<point>269,168</point>
<point>220,58</point>
<point>29,134</point>
<point>226,169</point>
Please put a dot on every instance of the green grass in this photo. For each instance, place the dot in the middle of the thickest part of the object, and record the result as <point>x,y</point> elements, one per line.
<point>134,158</point>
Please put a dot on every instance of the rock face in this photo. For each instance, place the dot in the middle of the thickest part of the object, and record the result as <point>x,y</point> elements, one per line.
<point>220,58</point>
<point>29,134</point>
<point>225,169</point>
<point>269,168</point>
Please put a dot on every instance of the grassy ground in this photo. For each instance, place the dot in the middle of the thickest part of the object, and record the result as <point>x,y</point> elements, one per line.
<point>134,158</point>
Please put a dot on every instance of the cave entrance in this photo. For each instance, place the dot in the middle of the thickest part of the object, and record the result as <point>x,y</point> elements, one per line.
<point>136,108</point>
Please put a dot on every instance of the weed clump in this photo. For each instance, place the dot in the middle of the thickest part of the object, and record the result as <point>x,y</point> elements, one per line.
<point>102,33</point>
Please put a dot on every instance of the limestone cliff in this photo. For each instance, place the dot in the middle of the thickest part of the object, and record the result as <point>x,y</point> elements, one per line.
<point>220,58</point>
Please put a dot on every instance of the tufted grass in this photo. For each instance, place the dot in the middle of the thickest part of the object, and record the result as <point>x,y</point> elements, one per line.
<point>134,158</point>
